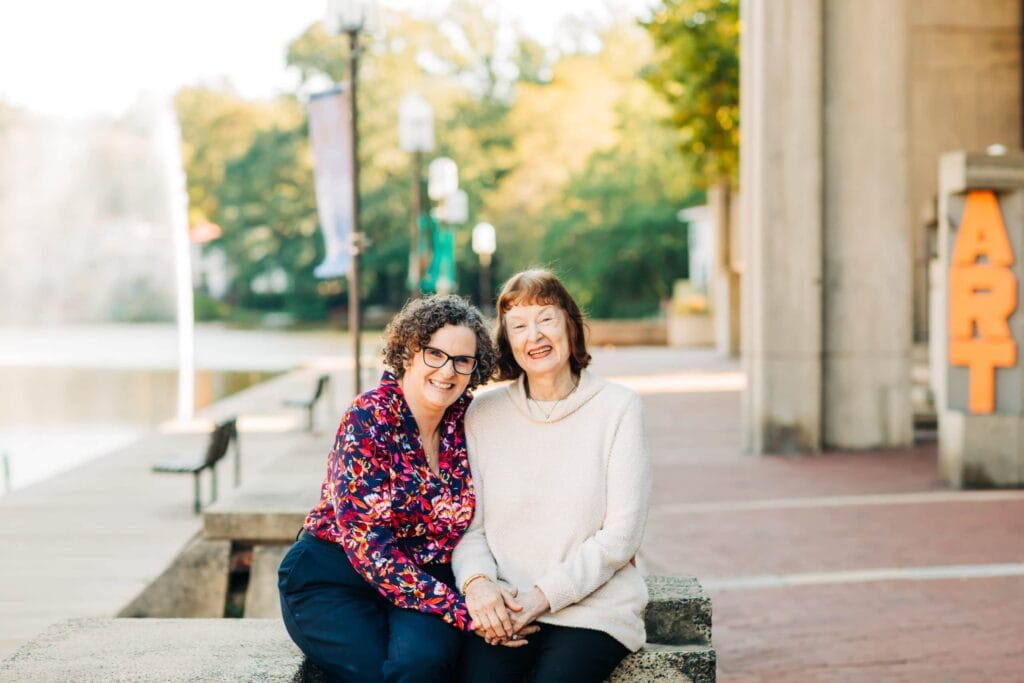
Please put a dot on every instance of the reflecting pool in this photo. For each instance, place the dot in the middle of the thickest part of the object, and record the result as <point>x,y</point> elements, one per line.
<point>54,418</point>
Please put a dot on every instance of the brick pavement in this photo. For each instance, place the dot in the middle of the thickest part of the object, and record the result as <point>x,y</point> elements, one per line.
<point>925,631</point>
<point>727,517</point>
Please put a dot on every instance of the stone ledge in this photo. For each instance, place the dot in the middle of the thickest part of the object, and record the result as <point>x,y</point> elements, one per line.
<point>649,332</point>
<point>667,664</point>
<point>195,585</point>
<point>253,526</point>
<point>114,650</point>
<point>678,612</point>
<point>267,510</point>
<point>179,650</point>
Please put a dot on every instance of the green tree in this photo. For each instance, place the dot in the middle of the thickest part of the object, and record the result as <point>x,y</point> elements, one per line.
<point>696,70</point>
<point>268,216</point>
<point>217,125</point>
<point>615,237</point>
<point>569,160</point>
<point>596,181</point>
<point>453,63</point>
<point>555,127</point>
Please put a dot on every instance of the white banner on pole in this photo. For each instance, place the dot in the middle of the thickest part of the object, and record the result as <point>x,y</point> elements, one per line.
<point>330,135</point>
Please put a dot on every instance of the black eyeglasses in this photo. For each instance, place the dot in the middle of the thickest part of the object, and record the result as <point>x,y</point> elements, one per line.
<point>436,358</point>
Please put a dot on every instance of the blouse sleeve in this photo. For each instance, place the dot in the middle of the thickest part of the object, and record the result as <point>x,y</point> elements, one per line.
<point>629,486</point>
<point>361,495</point>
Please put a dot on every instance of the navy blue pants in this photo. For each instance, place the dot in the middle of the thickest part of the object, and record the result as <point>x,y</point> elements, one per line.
<point>556,654</point>
<point>344,626</point>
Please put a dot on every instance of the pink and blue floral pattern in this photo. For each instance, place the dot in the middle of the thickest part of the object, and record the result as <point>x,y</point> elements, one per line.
<point>382,503</point>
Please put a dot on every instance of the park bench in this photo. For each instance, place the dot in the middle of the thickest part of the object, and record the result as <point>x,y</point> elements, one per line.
<point>678,647</point>
<point>309,404</point>
<point>190,463</point>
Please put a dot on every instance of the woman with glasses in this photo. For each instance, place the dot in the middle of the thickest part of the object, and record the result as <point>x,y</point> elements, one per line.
<point>367,591</point>
<point>562,480</point>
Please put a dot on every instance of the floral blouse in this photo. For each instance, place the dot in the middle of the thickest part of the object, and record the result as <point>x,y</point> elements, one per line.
<point>381,502</point>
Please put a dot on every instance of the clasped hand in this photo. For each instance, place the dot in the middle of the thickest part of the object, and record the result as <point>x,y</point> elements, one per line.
<point>502,617</point>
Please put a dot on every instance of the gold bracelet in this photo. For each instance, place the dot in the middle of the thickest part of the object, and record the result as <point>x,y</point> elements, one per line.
<point>465,584</point>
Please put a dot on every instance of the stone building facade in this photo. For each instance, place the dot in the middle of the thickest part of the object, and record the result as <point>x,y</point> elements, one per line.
<point>847,106</point>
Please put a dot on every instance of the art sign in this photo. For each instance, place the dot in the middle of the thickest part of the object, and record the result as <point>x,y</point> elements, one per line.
<point>982,297</point>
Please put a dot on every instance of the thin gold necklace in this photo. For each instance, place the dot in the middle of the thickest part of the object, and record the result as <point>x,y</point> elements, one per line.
<point>547,415</point>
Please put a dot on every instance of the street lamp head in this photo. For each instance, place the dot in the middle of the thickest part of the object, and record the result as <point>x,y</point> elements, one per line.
<point>442,178</point>
<point>350,16</point>
<point>415,124</point>
<point>456,208</point>
<point>484,241</point>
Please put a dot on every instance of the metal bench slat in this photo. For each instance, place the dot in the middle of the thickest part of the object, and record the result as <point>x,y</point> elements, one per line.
<point>181,462</point>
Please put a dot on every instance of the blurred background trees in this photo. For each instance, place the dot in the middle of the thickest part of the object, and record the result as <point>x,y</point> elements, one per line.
<point>581,159</point>
<point>696,70</point>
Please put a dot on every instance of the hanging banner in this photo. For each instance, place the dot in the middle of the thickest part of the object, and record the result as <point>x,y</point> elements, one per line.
<point>330,135</point>
<point>442,268</point>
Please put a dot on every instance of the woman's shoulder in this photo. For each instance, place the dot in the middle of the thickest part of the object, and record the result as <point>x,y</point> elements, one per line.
<point>613,394</point>
<point>377,404</point>
<point>488,402</point>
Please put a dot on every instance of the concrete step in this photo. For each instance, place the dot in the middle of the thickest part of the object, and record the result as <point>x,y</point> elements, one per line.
<point>115,650</point>
<point>213,650</point>
<point>678,612</point>
<point>667,664</point>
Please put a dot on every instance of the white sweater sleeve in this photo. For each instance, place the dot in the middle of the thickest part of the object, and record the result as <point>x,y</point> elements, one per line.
<point>597,559</point>
<point>472,554</point>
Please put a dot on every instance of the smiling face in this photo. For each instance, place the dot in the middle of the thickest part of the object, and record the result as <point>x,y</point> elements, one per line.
<point>538,335</point>
<point>438,388</point>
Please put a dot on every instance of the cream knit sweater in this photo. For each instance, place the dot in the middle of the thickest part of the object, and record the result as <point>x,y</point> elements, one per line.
<point>561,503</point>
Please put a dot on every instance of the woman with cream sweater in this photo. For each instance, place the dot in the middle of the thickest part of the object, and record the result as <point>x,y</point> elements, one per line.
<point>562,478</point>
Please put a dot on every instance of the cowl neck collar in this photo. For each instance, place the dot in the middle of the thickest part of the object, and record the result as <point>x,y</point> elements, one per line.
<point>589,386</point>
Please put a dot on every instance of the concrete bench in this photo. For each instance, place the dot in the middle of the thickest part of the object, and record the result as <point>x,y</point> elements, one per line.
<point>678,623</point>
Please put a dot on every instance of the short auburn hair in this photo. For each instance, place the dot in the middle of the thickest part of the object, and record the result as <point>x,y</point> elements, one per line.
<point>538,286</point>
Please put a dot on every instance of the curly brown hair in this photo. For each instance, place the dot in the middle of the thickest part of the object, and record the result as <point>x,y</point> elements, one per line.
<point>539,286</point>
<point>419,319</point>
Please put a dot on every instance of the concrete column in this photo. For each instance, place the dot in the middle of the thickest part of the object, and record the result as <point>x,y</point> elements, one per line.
<point>725,288</point>
<point>781,180</point>
<point>867,238</point>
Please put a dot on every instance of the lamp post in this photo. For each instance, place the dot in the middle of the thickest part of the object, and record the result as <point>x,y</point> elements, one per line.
<point>352,18</point>
<point>416,135</point>
<point>442,178</point>
<point>456,207</point>
<point>442,186</point>
<point>484,244</point>
<point>453,210</point>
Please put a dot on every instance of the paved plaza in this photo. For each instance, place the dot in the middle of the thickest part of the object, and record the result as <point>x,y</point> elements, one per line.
<point>853,566</point>
<point>843,567</point>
